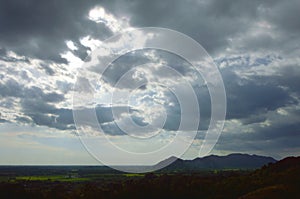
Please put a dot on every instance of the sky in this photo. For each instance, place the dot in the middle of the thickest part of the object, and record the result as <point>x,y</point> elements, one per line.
<point>44,44</point>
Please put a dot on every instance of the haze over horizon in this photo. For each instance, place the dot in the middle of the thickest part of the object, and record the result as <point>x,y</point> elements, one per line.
<point>255,45</point>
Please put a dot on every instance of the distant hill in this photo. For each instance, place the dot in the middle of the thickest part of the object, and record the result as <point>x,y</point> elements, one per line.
<point>275,180</point>
<point>212,162</point>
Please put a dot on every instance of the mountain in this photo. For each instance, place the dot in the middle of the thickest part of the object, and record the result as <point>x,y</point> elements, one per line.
<point>212,162</point>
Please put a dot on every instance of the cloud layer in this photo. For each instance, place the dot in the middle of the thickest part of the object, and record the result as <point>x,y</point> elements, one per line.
<point>255,44</point>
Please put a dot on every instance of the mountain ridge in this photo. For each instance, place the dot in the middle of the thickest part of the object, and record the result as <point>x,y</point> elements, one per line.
<point>211,162</point>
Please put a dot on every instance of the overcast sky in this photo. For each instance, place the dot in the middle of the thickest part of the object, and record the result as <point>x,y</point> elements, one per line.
<point>255,44</point>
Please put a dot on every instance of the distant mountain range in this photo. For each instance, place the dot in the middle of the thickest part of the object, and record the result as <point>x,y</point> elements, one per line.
<point>212,162</point>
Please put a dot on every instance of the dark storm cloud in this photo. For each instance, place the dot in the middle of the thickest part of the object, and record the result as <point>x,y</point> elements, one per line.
<point>23,120</point>
<point>286,16</point>
<point>256,94</point>
<point>254,118</point>
<point>251,98</point>
<point>274,130</point>
<point>2,52</point>
<point>267,106</point>
<point>37,93</point>
<point>12,88</point>
<point>50,121</point>
<point>280,16</point>
<point>37,105</point>
<point>81,51</point>
<point>44,113</point>
<point>189,17</point>
<point>40,28</point>
<point>290,78</point>
<point>122,65</point>
<point>214,23</point>
<point>107,119</point>
<point>232,9</point>
<point>211,23</point>
<point>275,138</point>
<point>137,58</point>
<point>112,128</point>
<point>278,132</point>
<point>174,112</point>
<point>280,126</point>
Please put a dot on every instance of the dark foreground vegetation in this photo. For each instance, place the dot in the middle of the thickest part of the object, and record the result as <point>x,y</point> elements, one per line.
<point>276,180</point>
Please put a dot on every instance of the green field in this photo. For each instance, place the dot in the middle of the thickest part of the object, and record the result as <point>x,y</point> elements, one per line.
<point>74,177</point>
<point>52,178</point>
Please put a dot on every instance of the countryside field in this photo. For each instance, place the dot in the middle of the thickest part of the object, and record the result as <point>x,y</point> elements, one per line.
<point>275,180</point>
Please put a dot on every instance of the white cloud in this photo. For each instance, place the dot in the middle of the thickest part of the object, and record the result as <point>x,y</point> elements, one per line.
<point>100,15</point>
<point>71,45</point>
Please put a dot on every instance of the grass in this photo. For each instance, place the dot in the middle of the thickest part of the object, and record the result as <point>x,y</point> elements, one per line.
<point>51,178</point>
<point>67,178</point>
<point>133,175</point>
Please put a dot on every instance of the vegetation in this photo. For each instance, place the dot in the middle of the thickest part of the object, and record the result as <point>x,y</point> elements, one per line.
<point>276,180</point>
